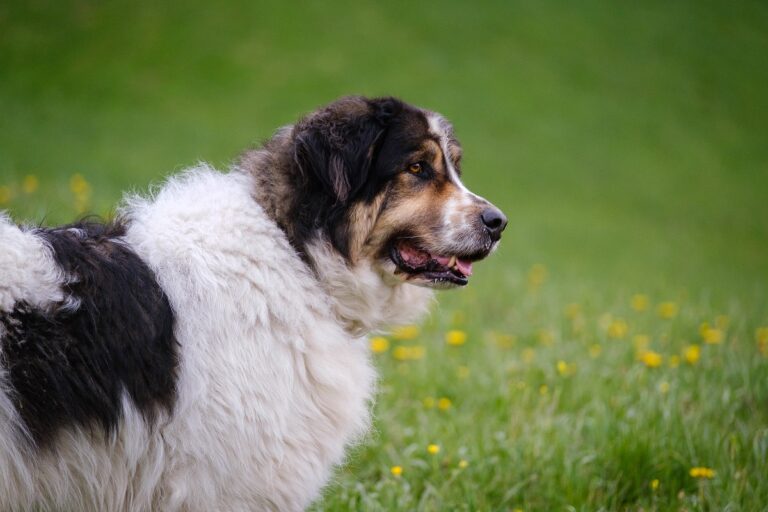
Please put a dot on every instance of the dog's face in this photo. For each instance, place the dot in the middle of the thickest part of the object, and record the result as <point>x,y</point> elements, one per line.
<point>390,175</point>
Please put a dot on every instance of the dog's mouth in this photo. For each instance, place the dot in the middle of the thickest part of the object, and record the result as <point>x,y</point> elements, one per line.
<point>417,265</point>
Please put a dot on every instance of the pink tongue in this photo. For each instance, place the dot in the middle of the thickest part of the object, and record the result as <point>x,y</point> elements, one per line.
<point>443,260</point>
<point>465,267</point>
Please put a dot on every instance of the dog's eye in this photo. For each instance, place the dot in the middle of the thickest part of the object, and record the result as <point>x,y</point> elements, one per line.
<point>416,168</point>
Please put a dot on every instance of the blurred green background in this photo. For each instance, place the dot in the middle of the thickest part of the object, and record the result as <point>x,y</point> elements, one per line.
<point>627,143</point>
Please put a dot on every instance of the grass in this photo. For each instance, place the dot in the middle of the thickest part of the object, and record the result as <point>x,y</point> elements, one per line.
<point>625,142</point>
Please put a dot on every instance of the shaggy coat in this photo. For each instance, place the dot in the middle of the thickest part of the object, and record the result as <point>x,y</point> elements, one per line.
<point>206,350</point>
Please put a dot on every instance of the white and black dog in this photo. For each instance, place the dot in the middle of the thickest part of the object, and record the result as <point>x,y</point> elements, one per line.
<point>206,350</point>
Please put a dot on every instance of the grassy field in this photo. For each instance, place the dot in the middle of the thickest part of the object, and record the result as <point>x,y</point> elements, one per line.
<point>613,355</point>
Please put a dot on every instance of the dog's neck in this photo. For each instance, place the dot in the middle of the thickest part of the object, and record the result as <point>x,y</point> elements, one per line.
<point>363,299</point>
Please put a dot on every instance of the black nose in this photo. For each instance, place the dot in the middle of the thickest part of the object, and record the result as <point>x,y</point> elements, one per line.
<point>494,221</point>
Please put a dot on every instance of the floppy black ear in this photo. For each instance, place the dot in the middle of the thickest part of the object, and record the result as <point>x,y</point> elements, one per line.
<point>336,145</point>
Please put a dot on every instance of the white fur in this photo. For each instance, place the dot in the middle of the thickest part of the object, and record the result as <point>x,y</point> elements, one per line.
<point>275,379</point>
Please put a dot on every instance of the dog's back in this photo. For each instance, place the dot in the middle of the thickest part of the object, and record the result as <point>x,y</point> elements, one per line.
<point>183,359</point>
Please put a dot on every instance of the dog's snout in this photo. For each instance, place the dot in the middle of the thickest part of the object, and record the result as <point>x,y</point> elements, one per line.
<point>495,221</point>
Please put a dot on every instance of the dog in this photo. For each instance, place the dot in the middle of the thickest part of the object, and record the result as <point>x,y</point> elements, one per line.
<point>206,349</point>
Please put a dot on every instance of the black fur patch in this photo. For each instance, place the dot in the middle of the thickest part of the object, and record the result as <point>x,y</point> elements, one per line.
<point>71,367</point>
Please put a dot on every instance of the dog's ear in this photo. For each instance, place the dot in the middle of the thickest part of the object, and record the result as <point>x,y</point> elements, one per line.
<point>336,146</point>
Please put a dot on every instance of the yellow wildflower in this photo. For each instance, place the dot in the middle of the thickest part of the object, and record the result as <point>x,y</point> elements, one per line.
<point>761,335</point>
<point>396,470</point>
<point>504,340</point>
<point>30,184</point>
<point>565,369</point>
<point>692,354</point>
<point>617,329</point>
<point>641,342</point>
<point>702,472</point>
<point>5,194</point>
<point>712,336</point>
<point>668,310</point>
<point>462,372</point>
<point>654,484</point>
<point>546,337</point>
<point>379,344</point>
<point>537,275</point>
<point>605,321</point>
<point>408,352</point>
<point>543,390</point>
<point>595,350</point>
<point>463,464</point>
<point>674,361</point>
<point>528,355</point>
<point>572,310</point>
<point>455,337</point>
<point>433,449</point>
<point>406,332</point>
<point>444,404</point>
<point>651,359</point>
<point>640,302</point>
<point>428,402</point>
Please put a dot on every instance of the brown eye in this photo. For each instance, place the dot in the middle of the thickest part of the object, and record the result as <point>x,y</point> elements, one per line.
<point>415,168</point>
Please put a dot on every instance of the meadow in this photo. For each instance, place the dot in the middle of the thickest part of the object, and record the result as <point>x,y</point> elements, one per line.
<point>612,355</point>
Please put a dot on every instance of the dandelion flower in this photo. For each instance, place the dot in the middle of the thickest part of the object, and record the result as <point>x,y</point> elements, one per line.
<point>651,359</point>
<point>5,194</point>
<point>572,310</point>
<point>654,484</point>
<point>702,472</point>
<point>379,344</point>
<point>565,369</point>
<point>463,464</point>
<point>455,337</point>
<point>617,329</point>
<point>396,471</point>
<point>528,355</point>
<point>668,310</point>
<point>692,354</point>
<point>406,332</point>
<point>504,340</point>
<point>641,343</point>
<point>761,335</point>
<point>640,302</point>
<point>444,404</point>
<point>546,337</point>
<point>408,352</point>
<point>543,390</point>
<point>711,335</point>
<point>433,449</point>
<point>30,184</point>
<point>537,275</point>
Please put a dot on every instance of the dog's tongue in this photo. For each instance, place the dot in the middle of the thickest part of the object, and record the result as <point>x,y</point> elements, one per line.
<point>465,267</point>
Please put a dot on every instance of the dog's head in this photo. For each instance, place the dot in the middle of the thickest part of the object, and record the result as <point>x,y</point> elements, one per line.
<point>382,181</point>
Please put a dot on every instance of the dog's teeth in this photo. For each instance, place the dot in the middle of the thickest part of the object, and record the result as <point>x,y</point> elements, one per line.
<point>452,261</point>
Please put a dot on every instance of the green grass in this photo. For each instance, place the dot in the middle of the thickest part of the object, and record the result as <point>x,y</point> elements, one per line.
<point>627,144</point>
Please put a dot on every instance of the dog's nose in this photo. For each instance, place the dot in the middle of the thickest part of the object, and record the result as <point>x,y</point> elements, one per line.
<point>494,221</point>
